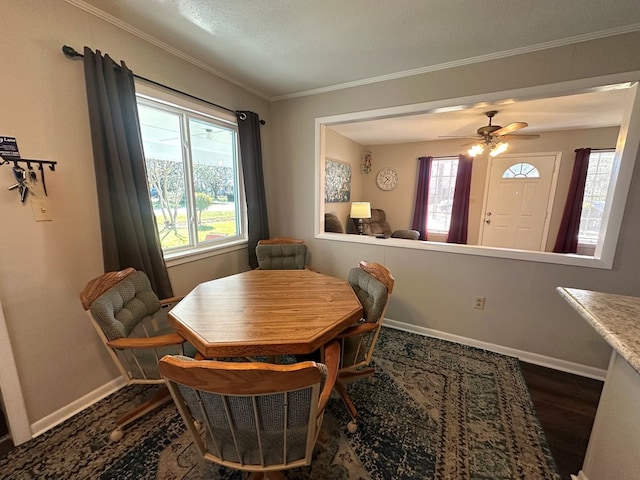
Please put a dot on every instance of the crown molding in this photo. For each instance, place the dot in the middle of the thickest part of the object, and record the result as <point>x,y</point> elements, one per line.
<point>162,45</point>
<point>466,61</point>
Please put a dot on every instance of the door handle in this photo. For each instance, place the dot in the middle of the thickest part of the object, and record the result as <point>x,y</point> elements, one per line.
<point>487,221</point>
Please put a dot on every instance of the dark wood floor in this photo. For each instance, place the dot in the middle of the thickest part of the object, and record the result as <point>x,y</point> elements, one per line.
<point>566,406</point>
<point>6,445</point>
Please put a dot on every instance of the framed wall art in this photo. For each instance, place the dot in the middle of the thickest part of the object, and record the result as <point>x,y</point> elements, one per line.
<point>337,181</point>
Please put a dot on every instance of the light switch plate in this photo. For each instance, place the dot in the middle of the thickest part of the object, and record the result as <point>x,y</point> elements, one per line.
<point>40,211</point>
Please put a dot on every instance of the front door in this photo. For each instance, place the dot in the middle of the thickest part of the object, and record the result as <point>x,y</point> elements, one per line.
<point>519,194</point>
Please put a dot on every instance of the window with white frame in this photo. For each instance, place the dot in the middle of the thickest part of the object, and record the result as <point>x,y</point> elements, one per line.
<point>595,195</point>
<point>521,170</point>
<point>193,173</point>
<point>441,187</point>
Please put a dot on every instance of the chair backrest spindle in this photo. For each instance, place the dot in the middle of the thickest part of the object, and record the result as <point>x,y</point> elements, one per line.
<point>257,416</point>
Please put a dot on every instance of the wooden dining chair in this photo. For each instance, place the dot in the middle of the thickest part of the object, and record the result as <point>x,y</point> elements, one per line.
<point>131,322</point>
<point>281,253</point>
<point>373,284</point>
<point>252,416</point>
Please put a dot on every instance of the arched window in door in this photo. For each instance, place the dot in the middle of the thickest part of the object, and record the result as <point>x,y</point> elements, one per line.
<point>521,170</point>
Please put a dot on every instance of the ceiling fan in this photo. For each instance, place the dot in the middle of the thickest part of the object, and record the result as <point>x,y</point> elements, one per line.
<point>492,136</point>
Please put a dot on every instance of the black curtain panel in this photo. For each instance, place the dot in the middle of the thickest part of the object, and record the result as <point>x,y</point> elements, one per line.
<point>251,154</point>
<point>129,233</point>
<point>421,205</point>
<point>567,241</point>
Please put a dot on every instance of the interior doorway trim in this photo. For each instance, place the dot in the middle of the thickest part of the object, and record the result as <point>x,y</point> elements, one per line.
<point>11,390</point>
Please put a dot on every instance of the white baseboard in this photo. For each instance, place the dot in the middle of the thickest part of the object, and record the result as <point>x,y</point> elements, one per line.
<point>536,359</point>
<point>70,410</point>
<point>580,476</point>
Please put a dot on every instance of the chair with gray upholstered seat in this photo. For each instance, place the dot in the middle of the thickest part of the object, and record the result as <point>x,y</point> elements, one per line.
<point>252,416</point>
<point>373,284</point>
<point>132,323</point>
<point>281,253</point>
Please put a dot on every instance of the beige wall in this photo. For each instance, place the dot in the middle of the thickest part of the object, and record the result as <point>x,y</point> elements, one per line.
<point>435,290</point>
<point>44,266</point>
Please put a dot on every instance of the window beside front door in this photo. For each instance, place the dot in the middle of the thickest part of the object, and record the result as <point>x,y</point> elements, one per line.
<point>595,196</point>
<point>441,188</point>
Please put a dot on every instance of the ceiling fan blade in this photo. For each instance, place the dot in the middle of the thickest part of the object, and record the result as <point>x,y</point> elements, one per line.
<point>518,136</point>
<point>512,127</point>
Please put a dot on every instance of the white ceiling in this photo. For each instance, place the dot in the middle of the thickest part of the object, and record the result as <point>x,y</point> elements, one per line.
<point>595,109</point>
<point>287,48</point>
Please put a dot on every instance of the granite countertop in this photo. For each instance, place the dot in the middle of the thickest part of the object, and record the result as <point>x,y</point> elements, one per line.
<point>615,317</point>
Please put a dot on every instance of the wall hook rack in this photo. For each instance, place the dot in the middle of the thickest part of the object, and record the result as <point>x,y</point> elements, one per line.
<point>23,176</point>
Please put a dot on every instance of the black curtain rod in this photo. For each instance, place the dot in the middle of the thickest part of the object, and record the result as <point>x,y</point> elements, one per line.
<point>72,54</point>
<point>441,156</point>
<point>593,150</point>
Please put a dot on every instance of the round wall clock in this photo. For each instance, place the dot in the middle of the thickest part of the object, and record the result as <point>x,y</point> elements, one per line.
<point>387,179</point>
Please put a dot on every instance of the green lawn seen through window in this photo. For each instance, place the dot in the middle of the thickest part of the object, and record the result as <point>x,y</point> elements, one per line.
<point>212,222</point>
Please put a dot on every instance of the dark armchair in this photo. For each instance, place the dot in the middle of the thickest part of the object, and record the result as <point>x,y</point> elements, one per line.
<point>332,223</point>
<point>378,225</point>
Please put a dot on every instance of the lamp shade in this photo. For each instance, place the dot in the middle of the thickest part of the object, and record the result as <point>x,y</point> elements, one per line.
<point>360,210</point>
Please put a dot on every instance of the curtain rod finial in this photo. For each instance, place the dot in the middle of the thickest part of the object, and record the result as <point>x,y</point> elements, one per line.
<point>70,52</point>
<point>243,116</point>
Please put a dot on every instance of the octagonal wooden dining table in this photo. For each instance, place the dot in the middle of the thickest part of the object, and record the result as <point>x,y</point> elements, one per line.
<point>265,312</point>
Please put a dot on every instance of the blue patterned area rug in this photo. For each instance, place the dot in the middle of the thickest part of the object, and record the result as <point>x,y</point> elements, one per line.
<point>437,410</point>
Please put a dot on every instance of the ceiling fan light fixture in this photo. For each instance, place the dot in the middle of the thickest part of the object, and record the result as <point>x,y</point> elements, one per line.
<point>498,149</point>
<point>475,150</point>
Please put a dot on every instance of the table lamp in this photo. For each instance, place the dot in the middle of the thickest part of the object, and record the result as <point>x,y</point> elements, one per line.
<point>360,210</point>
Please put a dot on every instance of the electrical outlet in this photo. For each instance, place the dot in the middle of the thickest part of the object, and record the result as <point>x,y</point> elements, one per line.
<point>478,302</point>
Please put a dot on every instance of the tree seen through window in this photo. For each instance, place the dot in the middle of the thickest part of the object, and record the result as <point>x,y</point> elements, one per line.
<point>192,173</point>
